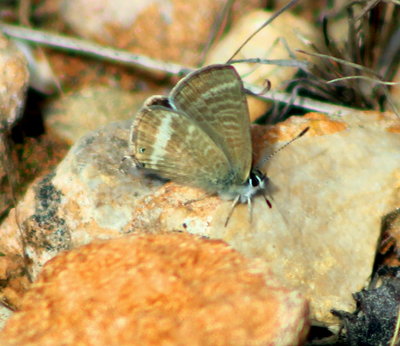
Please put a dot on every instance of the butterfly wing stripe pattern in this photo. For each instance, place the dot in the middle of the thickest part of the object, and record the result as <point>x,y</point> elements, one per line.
<point>214,98</point>
<point>169,143</point>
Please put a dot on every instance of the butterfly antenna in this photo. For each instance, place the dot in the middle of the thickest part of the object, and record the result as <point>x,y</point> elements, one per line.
<point>234,203</point>
<point>268,157</point>
<point>267,201</point>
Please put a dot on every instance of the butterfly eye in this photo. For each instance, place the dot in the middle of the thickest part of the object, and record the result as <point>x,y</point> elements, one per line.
<point>256,178</point>
<point>255,182</point>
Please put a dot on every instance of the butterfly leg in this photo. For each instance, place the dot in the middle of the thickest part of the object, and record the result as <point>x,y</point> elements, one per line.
<point>235,201</point>
<point>129,165</point>
<point>190,201</point>
<point>125,161</point>
<point>250,209</point>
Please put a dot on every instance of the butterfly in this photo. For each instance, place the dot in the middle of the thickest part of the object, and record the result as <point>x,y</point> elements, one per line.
<point>200,136</point>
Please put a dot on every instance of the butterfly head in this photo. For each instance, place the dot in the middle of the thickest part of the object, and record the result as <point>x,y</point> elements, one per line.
<point>254,184</point>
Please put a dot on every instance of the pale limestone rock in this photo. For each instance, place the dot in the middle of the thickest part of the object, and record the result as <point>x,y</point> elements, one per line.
<point>14,78</point>
<point>330,191</point>
<point>170,288</point>
<point>73,115</point>
<point>86,198</point>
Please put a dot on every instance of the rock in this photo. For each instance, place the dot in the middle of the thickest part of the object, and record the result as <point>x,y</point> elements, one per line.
<point>156,289</point>
<point>46,220</point>
<point>81,111</point>
<point>375,320</point>
<point>172,31</point>
<point>330,190</point>
<point>270,43</point>
<point>14,77</point>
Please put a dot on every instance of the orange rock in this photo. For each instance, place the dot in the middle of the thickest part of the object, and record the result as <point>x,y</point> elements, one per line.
<point>171,288</point>
<point>175,30</point>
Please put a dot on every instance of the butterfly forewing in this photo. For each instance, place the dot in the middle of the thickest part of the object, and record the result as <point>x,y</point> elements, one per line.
<point>214,98</point>
<point>170,144</point>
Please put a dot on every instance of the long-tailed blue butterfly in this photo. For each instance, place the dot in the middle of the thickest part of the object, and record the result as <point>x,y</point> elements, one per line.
<point>200,136</point>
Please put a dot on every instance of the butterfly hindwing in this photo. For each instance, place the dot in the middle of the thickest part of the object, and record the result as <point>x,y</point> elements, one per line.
<point>170,144</point>
<point>214,98</point>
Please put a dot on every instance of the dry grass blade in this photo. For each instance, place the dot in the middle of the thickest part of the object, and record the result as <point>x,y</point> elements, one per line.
<point>298,101</point>
<point>217,29</point>
<point>273,17</point>
<point>357,72</point>
<point>278,62</point>
<point>377,81</point>
<point>98,51</point>
<point>395,339</point>
<point>339,60</point>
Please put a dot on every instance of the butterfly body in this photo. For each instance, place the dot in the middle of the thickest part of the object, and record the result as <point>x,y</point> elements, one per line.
<point>200,135</point>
